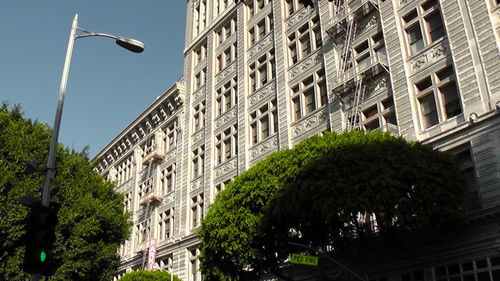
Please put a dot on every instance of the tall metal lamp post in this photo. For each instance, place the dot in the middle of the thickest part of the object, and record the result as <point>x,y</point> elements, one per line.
<point>127,43</point>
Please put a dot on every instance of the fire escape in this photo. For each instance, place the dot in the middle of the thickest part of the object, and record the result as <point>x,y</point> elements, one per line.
<point>150,195</point>
<point>350,82</point>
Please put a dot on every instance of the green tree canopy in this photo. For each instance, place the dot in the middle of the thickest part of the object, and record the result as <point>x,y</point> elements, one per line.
<point>331,191</point>
<point>144,275</point>
<point>91,219</point>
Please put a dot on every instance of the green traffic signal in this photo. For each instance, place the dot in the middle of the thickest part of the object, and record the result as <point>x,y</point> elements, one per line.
<point>43,256</point>
<point>40,238</point>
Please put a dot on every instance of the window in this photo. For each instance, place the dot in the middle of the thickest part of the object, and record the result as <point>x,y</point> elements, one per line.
<point>124,170</point>
<point>142,231</point>
<point>226,31</point>
<point>194,273</point>
<point>146,187</point>
<point>481,269</point>
<point>199,116</point>
<point>199,17</point>
<point>196,210</point>
<point>309,95</point>
<point>167,179</point>
<point>365,53</point>
<point>438,97</point>
<point>128,201</point>
<point>219,187</point>
<point>170,136</point>
<point>466,164</point>
<point>255,6</point>
<point>261,29</point>
<point>198,161</point>
<point>166,224</point>
<point>423,25</point>
<point>380,115</point>
<point>226,97</point>
<point>305,40</point>
<point>292,6</point>
<point>166,262</point>
<point>200,78</point>
<point>417,275</point>
<point>226,57</point>
<point>200,54</point>
<point>226,144</point>
<point>263,122</point>
<point>262,71</point>
<point>148,146</point>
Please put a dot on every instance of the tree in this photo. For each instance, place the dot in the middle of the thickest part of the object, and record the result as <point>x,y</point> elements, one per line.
<point>144,275</point>
<point>337,190</point>
<point>91,218</point>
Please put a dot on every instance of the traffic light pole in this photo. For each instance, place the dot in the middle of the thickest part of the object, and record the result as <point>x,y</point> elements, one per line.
<point>51,161</point>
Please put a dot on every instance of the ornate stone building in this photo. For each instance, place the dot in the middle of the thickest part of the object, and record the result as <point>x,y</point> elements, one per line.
<point>262,75</point>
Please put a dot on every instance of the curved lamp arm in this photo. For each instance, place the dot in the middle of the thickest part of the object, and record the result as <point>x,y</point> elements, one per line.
<point>130,44</point>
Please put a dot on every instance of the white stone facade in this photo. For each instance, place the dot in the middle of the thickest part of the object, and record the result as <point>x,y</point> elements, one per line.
<point>262,75</point>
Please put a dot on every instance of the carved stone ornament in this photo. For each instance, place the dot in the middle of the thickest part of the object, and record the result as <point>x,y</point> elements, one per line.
<point>226,167</point>
<point>263,93</point>
<point>225,118</point>
<point>437,52</point>
<point>169,198</point>
<point>199,94</point>
<point>299,16</point>
<point>197,183</point>
<point>228,71</point>
<point>306,64</point>
<point>419,62</point>
<point>264,147</point>
<point>171,155</point>
<point>309,123</point>
<point>261,45</point>
<point>197,137</point>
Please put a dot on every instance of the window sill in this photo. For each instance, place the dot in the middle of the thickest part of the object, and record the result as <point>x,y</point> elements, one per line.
<point>442,127</point>
<point>303,117</point>
<point>427,48</point>
<point>263,140</point>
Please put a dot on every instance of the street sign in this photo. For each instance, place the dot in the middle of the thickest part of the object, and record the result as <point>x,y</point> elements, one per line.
<point>304,259</point>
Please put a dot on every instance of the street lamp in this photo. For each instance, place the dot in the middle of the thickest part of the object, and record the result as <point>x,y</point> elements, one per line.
<point>127,43</point>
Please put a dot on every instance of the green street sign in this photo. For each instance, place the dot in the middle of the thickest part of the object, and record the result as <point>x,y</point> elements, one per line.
<point>304,259</point>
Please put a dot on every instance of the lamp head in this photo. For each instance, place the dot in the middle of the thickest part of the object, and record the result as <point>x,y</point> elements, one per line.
<point>130,44</point>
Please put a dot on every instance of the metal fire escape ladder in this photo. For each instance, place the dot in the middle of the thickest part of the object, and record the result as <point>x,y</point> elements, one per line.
<point>147,214</point>
<point>148,233</point>
<point>355,112</point>
<point>346,55</point>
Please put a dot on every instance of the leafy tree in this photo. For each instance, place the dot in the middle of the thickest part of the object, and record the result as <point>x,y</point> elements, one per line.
<point>144,275</point>
<point>91,219</point>
<point>336,190</point>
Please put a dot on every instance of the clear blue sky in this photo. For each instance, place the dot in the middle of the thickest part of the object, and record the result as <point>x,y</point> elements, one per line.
<point>108,87</point>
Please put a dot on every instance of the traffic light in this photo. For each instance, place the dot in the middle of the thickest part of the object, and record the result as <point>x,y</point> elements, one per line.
<point>40,237</point>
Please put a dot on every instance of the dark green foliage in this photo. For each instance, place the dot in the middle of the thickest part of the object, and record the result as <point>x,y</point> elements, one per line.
<point>91,220</point>
<point>314,193</point>
<point>144,275</point>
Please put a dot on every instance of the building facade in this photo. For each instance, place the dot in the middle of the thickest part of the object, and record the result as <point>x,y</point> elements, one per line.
<point>262,75</point>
